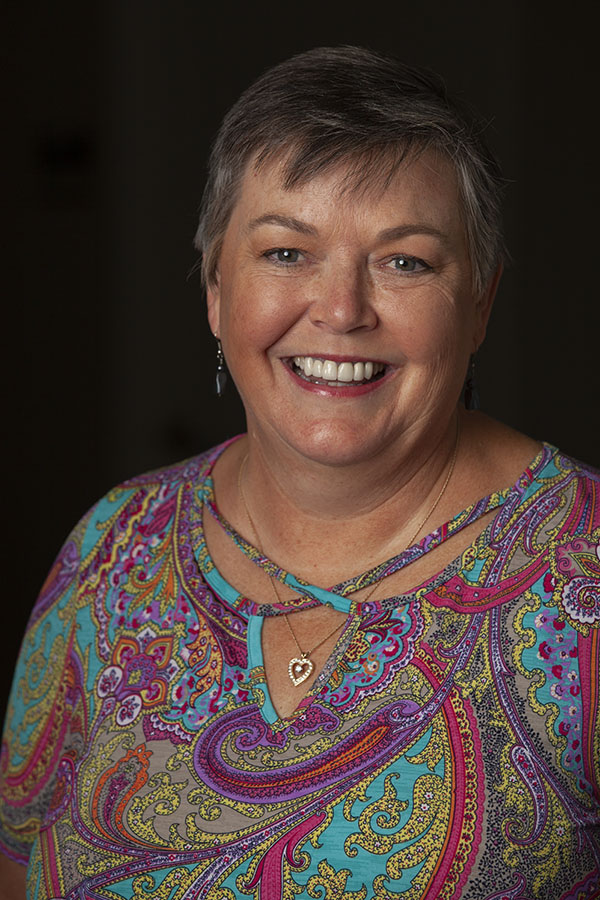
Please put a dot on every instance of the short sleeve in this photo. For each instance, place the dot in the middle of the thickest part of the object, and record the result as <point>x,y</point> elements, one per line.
<point>41,705</point>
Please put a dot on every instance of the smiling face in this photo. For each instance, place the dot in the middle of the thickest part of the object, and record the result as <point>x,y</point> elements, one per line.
<point>347,318</point>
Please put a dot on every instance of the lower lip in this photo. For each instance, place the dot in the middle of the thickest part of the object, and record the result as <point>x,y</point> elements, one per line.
<point>325,390</point>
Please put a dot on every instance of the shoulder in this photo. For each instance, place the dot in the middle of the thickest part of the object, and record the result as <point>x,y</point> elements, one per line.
<point>144,497</point>
<point>557,473</point>
<point>175,473</point>
<point>554,499</point>
<point>585,473</point>
<point>130,512</point>
<point>563,520</point>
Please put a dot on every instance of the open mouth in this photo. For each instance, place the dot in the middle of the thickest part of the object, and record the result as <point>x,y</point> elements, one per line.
<point>336,374</point>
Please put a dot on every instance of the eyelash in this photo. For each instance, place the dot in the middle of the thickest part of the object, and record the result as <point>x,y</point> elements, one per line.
<point>270,254</point>
<point>422,266</point>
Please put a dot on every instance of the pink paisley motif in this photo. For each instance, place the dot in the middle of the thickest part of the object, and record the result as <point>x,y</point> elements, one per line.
<point>268,876</point>
<point>161,514</point>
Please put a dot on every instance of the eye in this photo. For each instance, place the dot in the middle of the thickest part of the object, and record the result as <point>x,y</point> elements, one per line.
<point>408,264</point>
<point>284,256</point>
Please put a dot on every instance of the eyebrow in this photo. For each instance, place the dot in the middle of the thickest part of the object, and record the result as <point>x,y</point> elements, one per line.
<point>284,222</point>
<point>388,234</point>
<point>400,231</point>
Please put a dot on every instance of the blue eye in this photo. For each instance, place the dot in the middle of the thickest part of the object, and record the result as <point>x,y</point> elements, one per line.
<point>284,256</point>
<point>408,264</point>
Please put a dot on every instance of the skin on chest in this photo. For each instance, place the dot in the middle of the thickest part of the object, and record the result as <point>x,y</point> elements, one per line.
<point>312,625</point>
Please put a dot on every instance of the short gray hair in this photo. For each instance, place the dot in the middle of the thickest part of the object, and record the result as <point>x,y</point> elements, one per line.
<point>349,105</point>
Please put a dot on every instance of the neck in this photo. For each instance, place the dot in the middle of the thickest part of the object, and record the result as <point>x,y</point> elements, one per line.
<point>330,511</point>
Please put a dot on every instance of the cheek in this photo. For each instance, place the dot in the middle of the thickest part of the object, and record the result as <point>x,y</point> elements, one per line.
<point>431,329</point>
<point>258,313</point>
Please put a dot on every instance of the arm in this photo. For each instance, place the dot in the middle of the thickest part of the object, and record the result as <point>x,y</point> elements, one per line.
<point>29,756</point>
<point>12,879</point>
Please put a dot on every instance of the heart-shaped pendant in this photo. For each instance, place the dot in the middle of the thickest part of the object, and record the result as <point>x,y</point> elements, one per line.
<point>299,669</point>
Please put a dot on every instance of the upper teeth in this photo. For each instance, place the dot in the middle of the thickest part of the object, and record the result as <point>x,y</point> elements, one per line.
<point>329,370</point>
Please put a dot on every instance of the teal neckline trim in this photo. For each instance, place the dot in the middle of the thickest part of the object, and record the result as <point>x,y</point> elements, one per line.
<point>343,604</point>
<point>222,587</point>
<point>337,597</point>
<point>260,689</point>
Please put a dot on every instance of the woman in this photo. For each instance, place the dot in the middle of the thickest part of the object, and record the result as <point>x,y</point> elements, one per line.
<point>353,653</point>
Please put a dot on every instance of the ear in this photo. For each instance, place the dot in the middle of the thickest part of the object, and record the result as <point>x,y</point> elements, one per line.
<point>484,308</point>
<point>213,306</point>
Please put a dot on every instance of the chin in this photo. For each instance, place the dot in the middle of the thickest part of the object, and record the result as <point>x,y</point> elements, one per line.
<point>331,444</point>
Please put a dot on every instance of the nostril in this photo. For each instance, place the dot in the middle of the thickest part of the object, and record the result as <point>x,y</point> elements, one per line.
<point>343,315</point>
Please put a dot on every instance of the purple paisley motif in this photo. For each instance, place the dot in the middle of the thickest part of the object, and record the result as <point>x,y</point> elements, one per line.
<point>536,516</point>
<point>62,572</point>
<point>383,735</point>
<point>391,633</point>
<point>581,599</point>
<point>61,795</point>
<point>525,765</point>
<point>589,887</point>
<point>140,673</point>
<point>512,893</point>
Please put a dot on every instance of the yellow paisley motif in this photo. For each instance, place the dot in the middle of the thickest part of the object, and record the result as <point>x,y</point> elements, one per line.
<point>206,660</point>
<point>387,811</point>
<point>178,880</point>
<point>161,586</point>
<point>426,829</point>
<point>44,670</point>
<point>164,798</point>
<point>331,885</point>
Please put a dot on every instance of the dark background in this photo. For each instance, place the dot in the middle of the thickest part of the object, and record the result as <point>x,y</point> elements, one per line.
<point>109,112</point>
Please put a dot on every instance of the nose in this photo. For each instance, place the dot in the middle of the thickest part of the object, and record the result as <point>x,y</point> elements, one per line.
<point>343,301</point>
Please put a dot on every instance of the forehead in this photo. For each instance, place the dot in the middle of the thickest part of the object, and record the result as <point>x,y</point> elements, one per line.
<point>424,189</point>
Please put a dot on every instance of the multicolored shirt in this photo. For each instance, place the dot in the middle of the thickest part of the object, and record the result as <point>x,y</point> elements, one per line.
<point>449,749</point>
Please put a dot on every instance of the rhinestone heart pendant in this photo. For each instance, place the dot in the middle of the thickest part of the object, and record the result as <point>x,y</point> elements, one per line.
<point>299,669</point>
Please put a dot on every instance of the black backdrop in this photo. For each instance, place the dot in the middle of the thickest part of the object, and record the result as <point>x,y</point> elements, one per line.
<point>109,113</point>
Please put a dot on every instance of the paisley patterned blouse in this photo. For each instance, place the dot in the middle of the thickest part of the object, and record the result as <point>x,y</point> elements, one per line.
<point>450,748</point>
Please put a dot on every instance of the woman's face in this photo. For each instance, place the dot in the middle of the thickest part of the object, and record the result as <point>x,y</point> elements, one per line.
<point>374,287</point>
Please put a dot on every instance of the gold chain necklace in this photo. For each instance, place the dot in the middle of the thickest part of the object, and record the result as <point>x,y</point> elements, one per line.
<point>301,667</point>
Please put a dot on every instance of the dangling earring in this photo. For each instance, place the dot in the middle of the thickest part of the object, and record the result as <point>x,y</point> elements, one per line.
<point>470,393</point>
<point>221,376</point>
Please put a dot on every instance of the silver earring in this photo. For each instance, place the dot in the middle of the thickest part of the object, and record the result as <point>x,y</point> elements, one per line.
<point>221,376</point>
<point>471,394</point>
